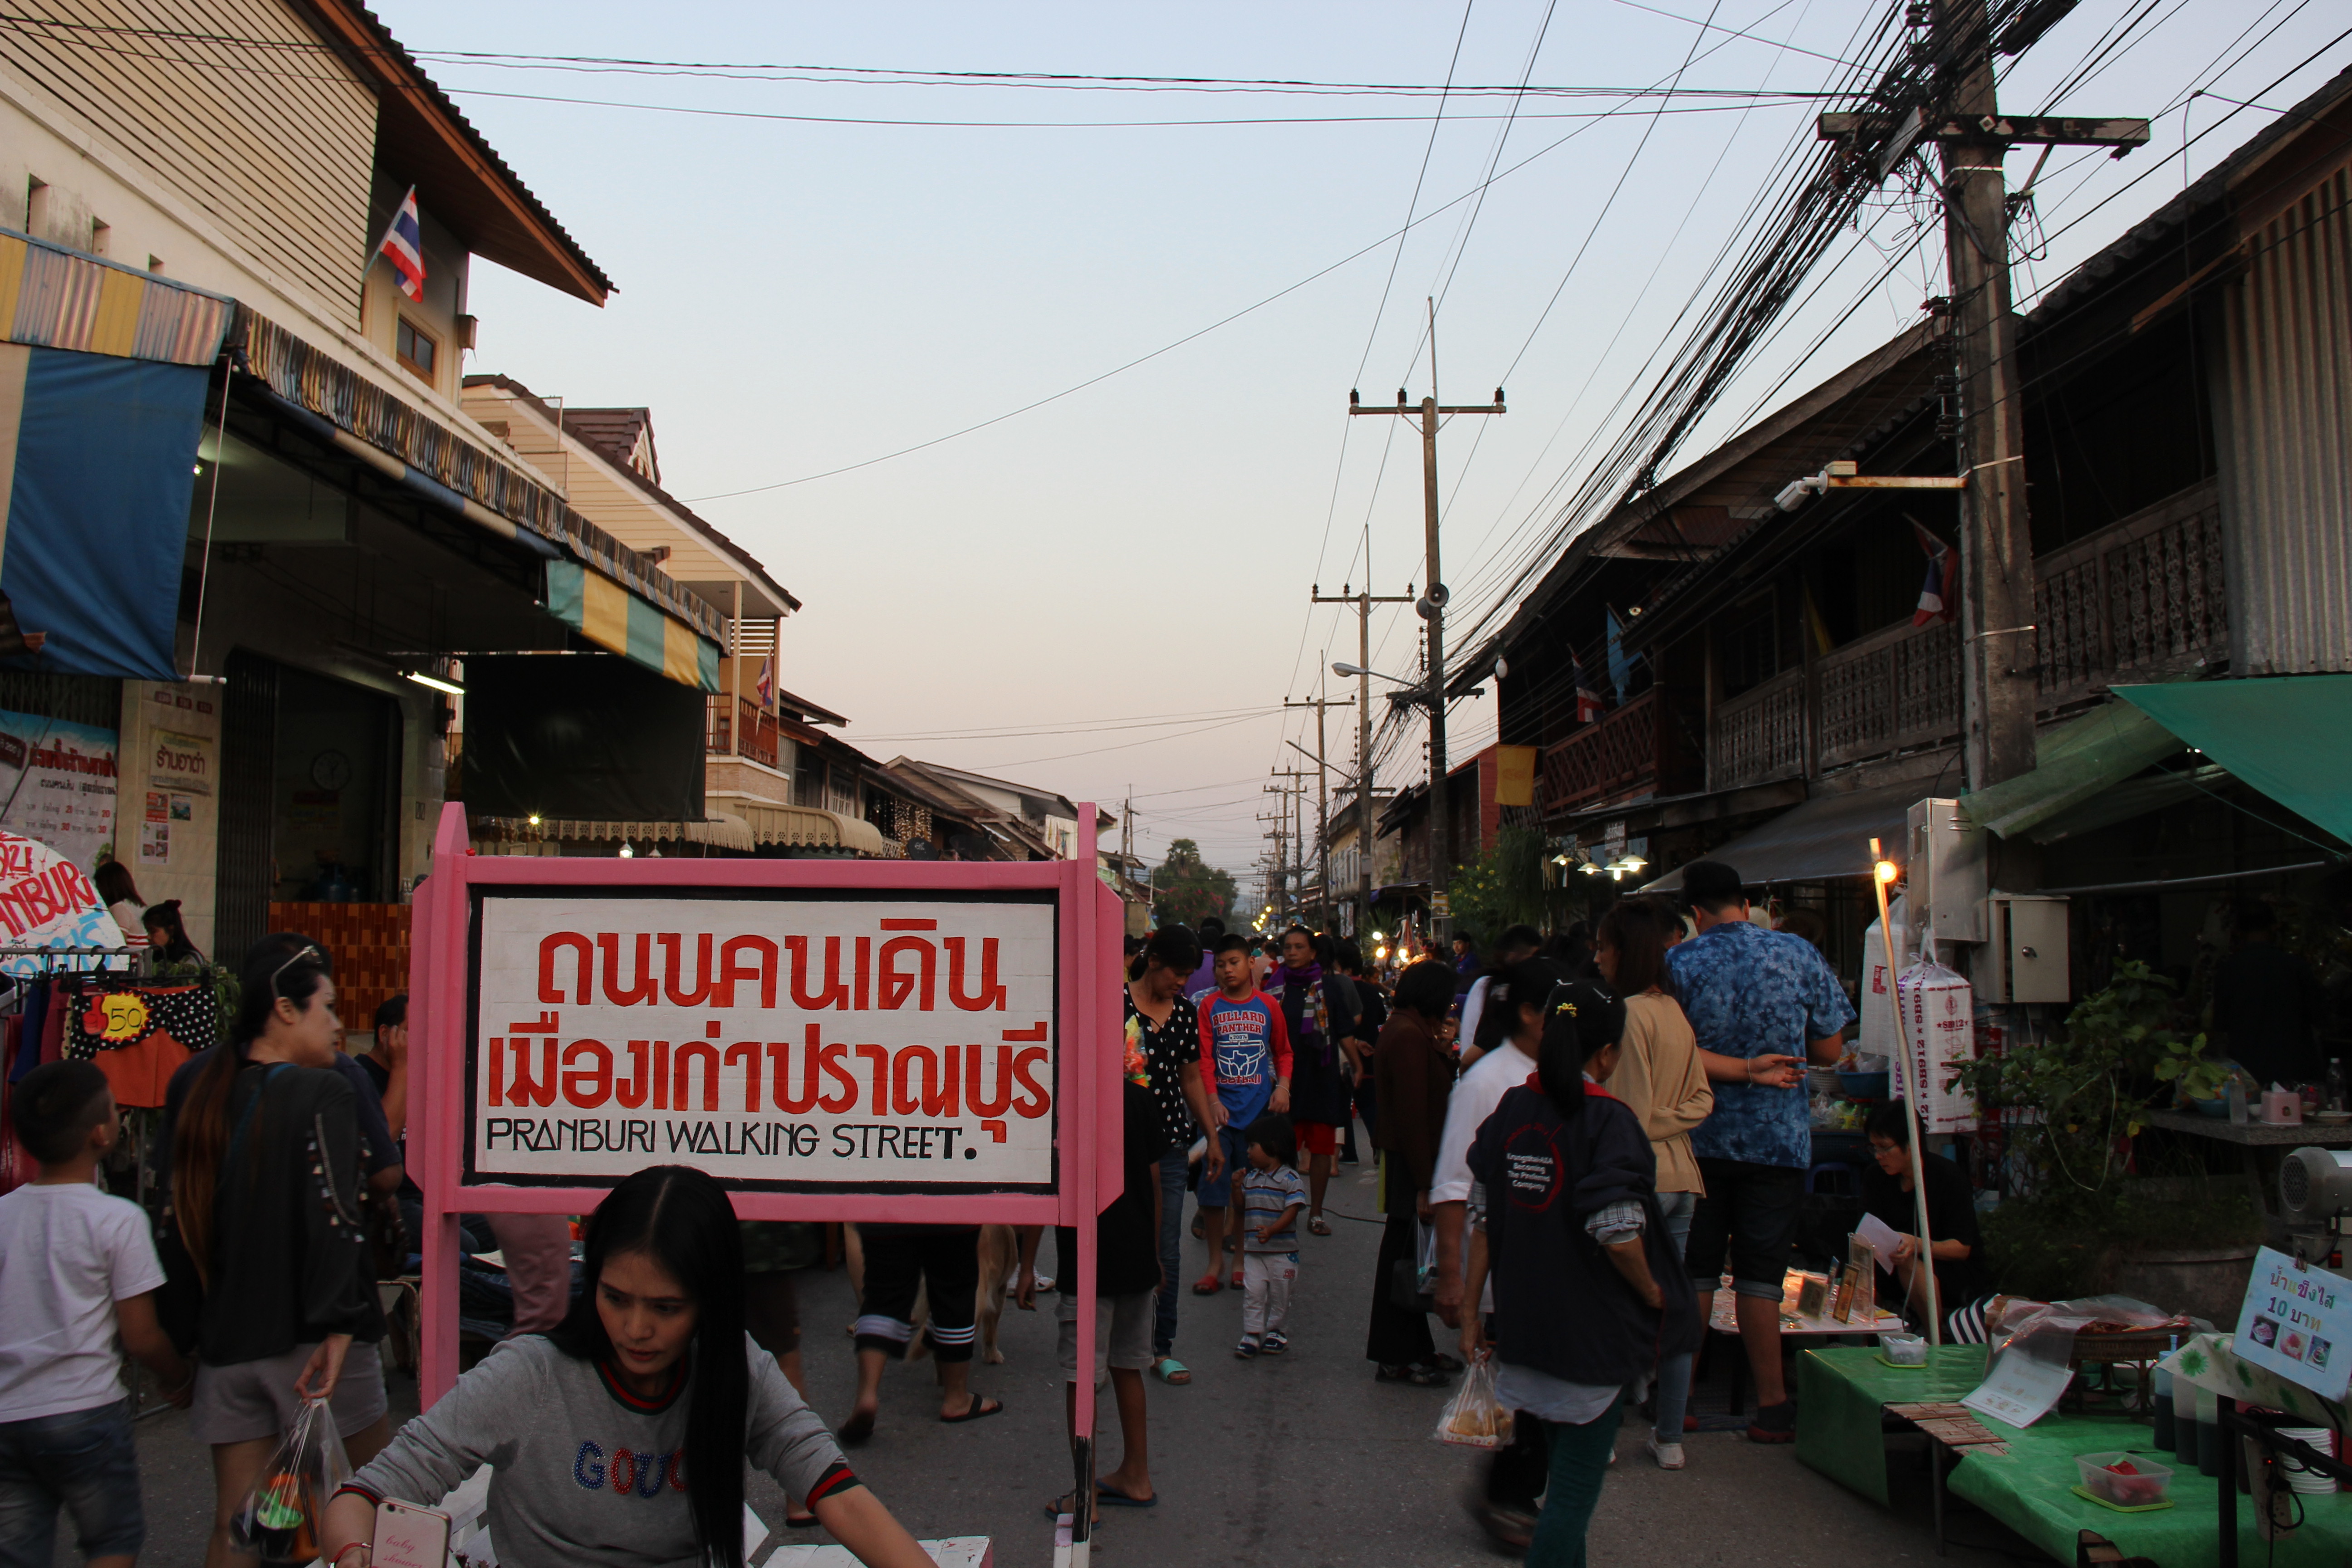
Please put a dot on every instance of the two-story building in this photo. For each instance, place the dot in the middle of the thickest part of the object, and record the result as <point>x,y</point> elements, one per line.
<point>253,537</point>
<point>1778,696</point>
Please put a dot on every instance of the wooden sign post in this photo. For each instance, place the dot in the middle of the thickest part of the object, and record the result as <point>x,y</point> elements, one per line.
<point>929,1042</point>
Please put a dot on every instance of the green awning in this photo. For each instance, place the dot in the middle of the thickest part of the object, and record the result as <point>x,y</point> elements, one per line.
<point>2289,736</point>
<point>2076,761</point>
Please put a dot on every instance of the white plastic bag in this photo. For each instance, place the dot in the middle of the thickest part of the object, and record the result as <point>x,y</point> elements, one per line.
<point>281,1519</point>
<point>1475,1417</point>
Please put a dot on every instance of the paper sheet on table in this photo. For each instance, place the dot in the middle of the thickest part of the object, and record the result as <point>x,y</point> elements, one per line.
<point>2027,1370</point>
<point>1881,1238</point>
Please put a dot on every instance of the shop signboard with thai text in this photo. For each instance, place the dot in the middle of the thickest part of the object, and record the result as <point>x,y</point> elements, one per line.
<point>58,784</point>
<point>802,1039</point>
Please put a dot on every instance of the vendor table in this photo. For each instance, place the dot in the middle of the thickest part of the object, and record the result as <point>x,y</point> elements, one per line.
<point>2208,1362</point>
<point>2266,1147</point>
<point>1794,1325</point>
<point>1841,1393</point>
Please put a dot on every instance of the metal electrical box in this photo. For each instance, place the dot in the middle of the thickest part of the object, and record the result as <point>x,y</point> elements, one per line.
<point>2026,957</point>
<point>1946,874</point>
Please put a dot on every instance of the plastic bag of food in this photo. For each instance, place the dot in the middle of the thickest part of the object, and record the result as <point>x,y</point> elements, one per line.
<point>280,1521</point>
<point>1475,1417</point>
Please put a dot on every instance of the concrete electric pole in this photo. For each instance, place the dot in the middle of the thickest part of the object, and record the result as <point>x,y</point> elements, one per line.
<point>1364,602</point>
<point>1432,609</point>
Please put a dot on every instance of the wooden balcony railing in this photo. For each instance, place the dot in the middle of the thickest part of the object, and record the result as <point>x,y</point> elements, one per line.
<point>1897,687</point>
<point>2144,597</point>
<point>1758,734</point>
<point>758,733</point>
<point>1617,753</point>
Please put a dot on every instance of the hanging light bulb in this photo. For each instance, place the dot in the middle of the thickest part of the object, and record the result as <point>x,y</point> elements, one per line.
<point>627,853</point>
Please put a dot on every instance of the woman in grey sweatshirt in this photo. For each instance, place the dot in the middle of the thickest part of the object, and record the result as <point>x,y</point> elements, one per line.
<point>619,1440</point>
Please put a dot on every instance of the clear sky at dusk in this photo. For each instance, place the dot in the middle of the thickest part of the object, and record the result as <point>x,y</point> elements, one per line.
<point>798,295</point>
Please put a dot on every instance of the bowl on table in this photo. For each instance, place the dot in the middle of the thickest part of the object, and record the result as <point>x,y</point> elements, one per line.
<point>2127,1480</point>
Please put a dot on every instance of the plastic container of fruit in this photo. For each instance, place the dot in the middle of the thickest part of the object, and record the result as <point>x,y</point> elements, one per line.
<point>2127,1480</point>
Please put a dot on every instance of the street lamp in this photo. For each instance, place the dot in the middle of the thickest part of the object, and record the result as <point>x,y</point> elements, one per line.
<point>1356,670</point>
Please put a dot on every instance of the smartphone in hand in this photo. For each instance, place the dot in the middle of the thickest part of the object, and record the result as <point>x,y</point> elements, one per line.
<point>407,1536</point>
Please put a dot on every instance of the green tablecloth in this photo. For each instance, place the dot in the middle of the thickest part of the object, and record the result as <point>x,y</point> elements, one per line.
<point>2027,1489</point>
<point>1839,1393</point>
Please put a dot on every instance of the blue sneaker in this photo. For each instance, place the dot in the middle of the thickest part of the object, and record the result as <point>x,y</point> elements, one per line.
<point>1247,1349</point>
<point>1275,1343</point>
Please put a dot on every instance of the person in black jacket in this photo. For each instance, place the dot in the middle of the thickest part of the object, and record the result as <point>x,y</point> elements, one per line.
<point>1565,1211</point>
<point>265,1178</point>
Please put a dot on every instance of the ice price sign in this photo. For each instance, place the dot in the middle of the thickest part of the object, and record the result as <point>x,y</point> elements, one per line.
<point>794,1041</point>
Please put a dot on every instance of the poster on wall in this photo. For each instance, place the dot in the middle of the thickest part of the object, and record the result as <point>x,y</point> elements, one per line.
<point>791,1042</point>
<point>46,900</point>
<point>58,784</point>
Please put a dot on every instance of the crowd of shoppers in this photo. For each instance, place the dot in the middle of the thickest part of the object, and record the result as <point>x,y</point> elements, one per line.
<point>1653,1065</point>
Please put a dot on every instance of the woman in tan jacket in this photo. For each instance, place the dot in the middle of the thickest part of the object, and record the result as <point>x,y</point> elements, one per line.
<point>1661,1079</point>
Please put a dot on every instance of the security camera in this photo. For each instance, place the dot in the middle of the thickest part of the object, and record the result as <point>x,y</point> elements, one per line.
<point>1793,495</point>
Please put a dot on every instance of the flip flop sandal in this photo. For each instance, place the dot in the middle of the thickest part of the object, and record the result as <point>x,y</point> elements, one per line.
<point>1197,1234</point>
<point>1068,1503</point>
<point>1444,1363</point>
<point>1317,1225</point>
<point>1171,1371</point>
<point>981,1407</point>
<point>1209,1284</point>
<point>1237,1279</point>
<point>805,1522</point>
<point>1108,1495</point>
<point>856,1430</point>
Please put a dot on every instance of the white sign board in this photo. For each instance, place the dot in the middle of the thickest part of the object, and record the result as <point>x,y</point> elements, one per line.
<point>794,1041</point>
<point>2297,1322</point>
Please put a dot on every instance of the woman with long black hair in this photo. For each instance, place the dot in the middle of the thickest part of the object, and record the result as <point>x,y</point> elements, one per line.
<point>265,1212</point>
<point>619,1439</point>
<point>1587,1293</point>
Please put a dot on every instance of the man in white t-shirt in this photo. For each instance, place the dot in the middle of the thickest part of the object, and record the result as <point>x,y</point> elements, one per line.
<point>1516,945</point>
<point>77,1268</point>
<point>1515,1478</point>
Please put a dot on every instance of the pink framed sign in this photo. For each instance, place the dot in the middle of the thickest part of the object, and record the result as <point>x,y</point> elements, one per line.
<point>924,1041</point>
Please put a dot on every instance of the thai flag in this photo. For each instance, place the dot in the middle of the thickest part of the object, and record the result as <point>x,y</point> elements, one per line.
<point>405,243</point>
<point>767,683</point>
<point>1938,595</point>
<point>1588,702</point>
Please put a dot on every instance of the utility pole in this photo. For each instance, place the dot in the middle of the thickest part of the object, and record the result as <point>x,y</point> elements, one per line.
<point>1322,798</point>
<point>1364,602</point>
<point>1962,116</point>
<point>1432,610</point>
<point>1287,818</point>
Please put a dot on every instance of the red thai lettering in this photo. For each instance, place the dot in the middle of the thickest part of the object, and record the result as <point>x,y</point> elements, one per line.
<point>591,1086</point>
<point>679,997</point>
<point>990,995</point>
<point>780,1057</point>
<point>975,1102</point>
<point>688,1053</point>
<point>631,1091</point>
<point>895,987</point>
<point>833,994</point>
<point>645,988</point>
<point>528,1089</point>
<point>837,1070</point>
<point>880,1057</point>
<point>550,989</point>
<point>730,970</point>
<point>1035,1101</point>
<point>745,1054</point>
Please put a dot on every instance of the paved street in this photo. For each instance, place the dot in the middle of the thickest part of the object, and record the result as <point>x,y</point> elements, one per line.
<point>1301,1462</point>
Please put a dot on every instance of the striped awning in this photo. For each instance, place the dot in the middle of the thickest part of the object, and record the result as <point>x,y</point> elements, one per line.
<point>802,826</point>
<point>51,298</point>
<point>721,830</point>
<point>613,618</point>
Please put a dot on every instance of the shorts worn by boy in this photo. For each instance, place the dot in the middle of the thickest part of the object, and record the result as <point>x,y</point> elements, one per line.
<point>1245,1050</point>
<point>68,1252</point>
<point>1269,1266</point>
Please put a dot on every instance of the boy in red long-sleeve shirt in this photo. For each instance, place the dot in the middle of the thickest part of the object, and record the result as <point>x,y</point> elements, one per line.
<point>1246,1065</point>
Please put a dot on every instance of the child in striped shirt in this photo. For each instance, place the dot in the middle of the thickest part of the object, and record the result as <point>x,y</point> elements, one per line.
<point>1272,1193</point>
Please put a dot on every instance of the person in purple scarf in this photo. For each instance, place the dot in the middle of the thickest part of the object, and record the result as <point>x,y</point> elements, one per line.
<point>1319,1008</point>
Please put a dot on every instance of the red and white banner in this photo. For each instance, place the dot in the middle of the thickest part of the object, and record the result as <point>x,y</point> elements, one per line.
<point>797,1040</point>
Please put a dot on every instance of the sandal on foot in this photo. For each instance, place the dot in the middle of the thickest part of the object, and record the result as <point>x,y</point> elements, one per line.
<point>981,1405</point>
<point>1316,1224</point>
<point>804,1521</point>
<point>1169,1370</point>
<point>1208,1284</point>
<point>1420,1377</point>
<point>1246,1351</point>
<point>857,1428</point>
<point>1444,1363</point>
<point>1237,1279</point>
<point>1274,1343</point>
<point>1109,1496</point>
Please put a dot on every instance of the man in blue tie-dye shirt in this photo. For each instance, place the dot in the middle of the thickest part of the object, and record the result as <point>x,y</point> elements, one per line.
<point>1762,1004</point>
